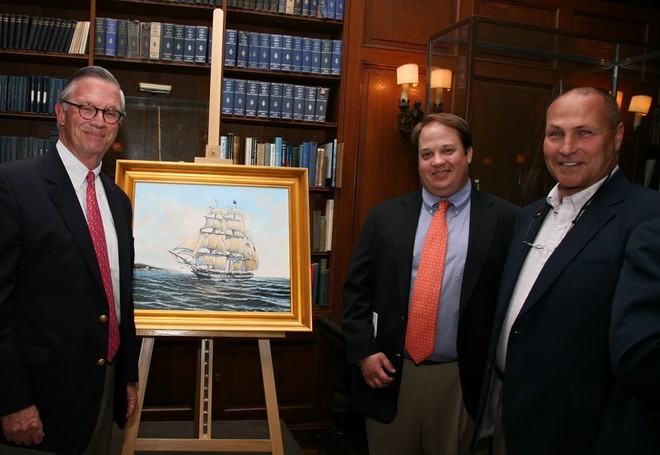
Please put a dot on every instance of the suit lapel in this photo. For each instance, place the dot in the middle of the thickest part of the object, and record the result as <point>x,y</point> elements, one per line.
<point>483,221</point>
<point>406,220</point>
<point>600,212</point>
<point>66,201</point>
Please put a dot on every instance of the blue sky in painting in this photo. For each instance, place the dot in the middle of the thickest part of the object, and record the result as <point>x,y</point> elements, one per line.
<point>165,214</point>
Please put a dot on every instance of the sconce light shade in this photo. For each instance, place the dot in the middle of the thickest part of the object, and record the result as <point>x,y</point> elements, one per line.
<point>640,104</point>
<point>407,74</point>
<point>441,78</point>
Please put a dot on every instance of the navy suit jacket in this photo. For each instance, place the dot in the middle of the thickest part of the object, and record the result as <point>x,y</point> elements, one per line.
<point>635,340</point>
<point>559,394</point>
<point>378,280</point>
<point>52,301</point>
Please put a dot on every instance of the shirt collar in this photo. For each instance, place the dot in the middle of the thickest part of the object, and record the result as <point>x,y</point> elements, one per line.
<point>580,198</point>
<point>458,200</point>
<point>76,170</point>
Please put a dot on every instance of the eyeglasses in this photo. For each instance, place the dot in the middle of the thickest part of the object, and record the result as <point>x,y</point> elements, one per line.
<point>88,112</point>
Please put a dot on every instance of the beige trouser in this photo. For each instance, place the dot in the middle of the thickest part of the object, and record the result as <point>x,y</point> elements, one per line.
<point>431,418</point>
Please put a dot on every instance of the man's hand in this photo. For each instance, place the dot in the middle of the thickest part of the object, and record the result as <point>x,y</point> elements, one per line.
<point>23,427</point>
<point>131,399</point>
<point>377,370</point>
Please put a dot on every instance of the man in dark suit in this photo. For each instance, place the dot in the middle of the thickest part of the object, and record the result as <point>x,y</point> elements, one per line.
<point>635,340</point>
<point>550,381</point>
<point>398,396</point>
<point>60,381</point>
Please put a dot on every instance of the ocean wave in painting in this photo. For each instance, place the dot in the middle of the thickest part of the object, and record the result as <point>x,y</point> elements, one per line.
<point>163,290</point>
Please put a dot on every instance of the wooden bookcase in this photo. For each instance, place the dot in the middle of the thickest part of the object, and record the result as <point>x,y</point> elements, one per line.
<point>303,384</point>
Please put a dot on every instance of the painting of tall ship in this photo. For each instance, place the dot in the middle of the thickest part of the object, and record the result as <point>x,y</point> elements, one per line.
<point>222,249</point>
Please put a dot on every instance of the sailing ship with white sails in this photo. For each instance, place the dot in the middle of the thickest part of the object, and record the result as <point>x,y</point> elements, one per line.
<point>222,249</point>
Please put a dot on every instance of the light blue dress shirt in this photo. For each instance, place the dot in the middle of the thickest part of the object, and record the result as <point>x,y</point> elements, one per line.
<point>458,224</point>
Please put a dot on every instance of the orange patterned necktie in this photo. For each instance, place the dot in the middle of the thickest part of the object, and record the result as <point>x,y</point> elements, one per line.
<point>423,313</point>
<point>95,223</point>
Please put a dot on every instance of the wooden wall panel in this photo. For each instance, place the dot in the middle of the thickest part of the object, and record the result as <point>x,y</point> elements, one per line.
<point>386,164</point>
<point>615,26</point>
<point>404,24</point>
<point>543,15</point>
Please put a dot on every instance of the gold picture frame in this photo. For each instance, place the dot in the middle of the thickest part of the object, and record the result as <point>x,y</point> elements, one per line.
<point>215,223</point>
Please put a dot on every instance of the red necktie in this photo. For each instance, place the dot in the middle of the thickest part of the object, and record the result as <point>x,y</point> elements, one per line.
<point>423,313</point>
<point>95,223</point>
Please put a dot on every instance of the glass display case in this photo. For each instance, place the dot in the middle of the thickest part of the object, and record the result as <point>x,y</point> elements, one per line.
<point>505,74</point>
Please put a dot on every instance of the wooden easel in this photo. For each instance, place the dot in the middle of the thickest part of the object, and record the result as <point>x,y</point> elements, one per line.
<point>202,442</point>
<point>212,152</point>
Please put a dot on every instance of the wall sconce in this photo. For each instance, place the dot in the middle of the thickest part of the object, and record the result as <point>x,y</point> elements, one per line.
<point>619,98</point>
<point>407,75</point>
<point>640,105</point>
<point>440,80</point>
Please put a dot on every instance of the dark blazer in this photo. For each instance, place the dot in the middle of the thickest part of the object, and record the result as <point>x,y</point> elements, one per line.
<point>52,299</point>
<point>378,281</point>
<point>635,340</point>
<point>558,385</point>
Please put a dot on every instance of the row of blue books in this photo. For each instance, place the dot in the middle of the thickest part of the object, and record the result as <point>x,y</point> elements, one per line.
<point>43,34</point>
<point>281,52</point>
<point>34,93</point>
<point>18,148</point>
<point>274,100</point>
<point>326,9</point>
<point>323,161</point>
<point>153,40</point>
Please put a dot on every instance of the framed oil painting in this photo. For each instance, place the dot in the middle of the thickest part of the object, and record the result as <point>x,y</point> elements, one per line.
<point>219,247</point>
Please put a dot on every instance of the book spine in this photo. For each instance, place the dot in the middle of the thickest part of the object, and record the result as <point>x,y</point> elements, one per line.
<point>264,51</point>
<point>253,50</point>
<point>316,56</point>
<point>337,57</point>
<point>251,98</point>
<point>133,39</point>
<point>110,37</point>
<point>154,43</point>
<point>228,95</point>
<point>287,53</point>
<point>201,43</point>
<point>326,56</point>
<point>242,49</point>
<point>306,54</point>
<point>239,97</point>
<point>189,43</point>
<point>275,100</point>
<point>287,101</point>
<point>275,52</point>
<point>167,42</point>
<point>298,102</point>
<point>310,103</point>
<point>99,36</point>
<point>122,38</point>
<point>179,40</point>
<point>263,103</point>
<point>231,47</point>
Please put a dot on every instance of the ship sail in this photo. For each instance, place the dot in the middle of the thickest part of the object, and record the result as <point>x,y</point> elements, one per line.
<point>221,249</point>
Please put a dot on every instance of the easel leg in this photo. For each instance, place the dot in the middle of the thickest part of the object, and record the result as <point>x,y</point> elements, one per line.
<point>274,427</point>
<point>204,389</point>
<point>133,424</point>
